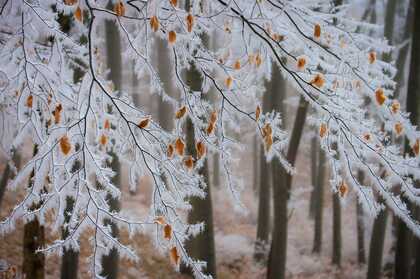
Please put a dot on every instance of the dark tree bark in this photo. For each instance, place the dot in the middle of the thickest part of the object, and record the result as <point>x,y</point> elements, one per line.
<point>337,239</point>
<point>377,246</point>
<point>255,164</point>
<point>114,61</point>
<point>33,239</point>
<point>319,201</point>
<point>361,255</point>
<point>8,173</point>
<point>265,172</point>
<point>282,185</point>
<point>314,171</point>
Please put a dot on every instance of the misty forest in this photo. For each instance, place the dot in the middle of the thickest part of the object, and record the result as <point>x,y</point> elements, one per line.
<point>225,139</point>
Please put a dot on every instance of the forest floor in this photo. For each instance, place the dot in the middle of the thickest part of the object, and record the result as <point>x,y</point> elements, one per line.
<point>235,236</point>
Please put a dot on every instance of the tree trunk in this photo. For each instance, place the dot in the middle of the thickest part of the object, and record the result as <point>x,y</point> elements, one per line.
<point>114,62</point>
<point>70,258</point>
<point>314,171</point>
<point>255,163</point>
<point>361,257</point>
<point>266,171</point>
<point>8,173</point>
<point>337,240</point>
<point>33,238</point>
<point>319,201</point>
<point>377,246</point>
<point>282,185</point>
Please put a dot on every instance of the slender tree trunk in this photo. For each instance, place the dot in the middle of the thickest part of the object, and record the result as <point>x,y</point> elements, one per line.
<point>337,239</point>
<point>377,246</point>
<point>361,257</point>
<point>282,185</point>
<point>114,62</point>
<point>8,173</point>
<point>407,243</point>
<point>33,239</point>
<point>314,173</point>
<point>319,201</point>
<point>70,258</point>
<point>265,172</point>
<point>255,163</point>
<point>202,246</point>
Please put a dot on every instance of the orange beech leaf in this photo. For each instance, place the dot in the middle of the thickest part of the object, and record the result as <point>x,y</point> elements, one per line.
<point>228,82</point>
<point>395,107</point>
<point>170,151</point>
<point>268,142</point>
<point>213,117</point>
<point>65,145</point>
<point>380,96</point>
<point>398,128</point>
<point>103,140</point>
<point>160,220</point>
<point>257,113</point>
<point>29,101</point>
<point>167,232</point>
<point>201,149</point>
<point>78,14</point>
<point>119,9</point>
<point>277,37</point>
<point>343,189</point>
<point>172,37</point>
<point>372,57</point>
<point>181,112</point>
<point>210,128</point>
<point>190,22</point>
<point>70,2</point>
<point>416,147</point>
<point>144,123</point>
<point>267,130</point>
<point>179,147</point>
<point>258,60</point>
<point>301,63</point>
<point>318,80</point>
<point>57,116</point>
<point>367,137</point>
<point>189,162</point>
<point>174,256</point>
<point>237,65</point>
<point>154,23</point>
<point>174,2</point>
<point>107,124</point>
<point>317,31</point>
<point>323,130</point>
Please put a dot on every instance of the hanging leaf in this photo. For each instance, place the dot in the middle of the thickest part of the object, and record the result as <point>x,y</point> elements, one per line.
<point>317,31</point>
<point>257,113</point>
<point>189,162</point>
<point>154,23</point>
<point>343,189</point>
<point>65,145</point>
<point>372,57</point>
<point>170,151</point>
<point>201,149</point>
<point>172,37</point>
<point>174,256</point>
<point>301,63</point>
<point>323,130</point>
<point>29,101</point>
<point>190,22</point>
<point>78,14</point>
<point>103,140</point>
<point>119,9</point>
<point>179,147</point>
<point>395,107</point>
<point>318,80</point>
<point>380,96</point>
<point>167,232</point>
<point>181,112</point>
<point>144,123</point>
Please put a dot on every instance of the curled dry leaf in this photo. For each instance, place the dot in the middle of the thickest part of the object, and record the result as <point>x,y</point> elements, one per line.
<point>317,31</point>
<point>189,162</point>
<point>318,80</point>
<point>268,140</point>
<point>78,14</point>
<point>181,112</point>
<point>398,128</point>
<point>237,65</point>
<point>119,9</point>
<point>201,149</point>
<point>210,128</point>
<point>167,232</point>
<point>29,101</point>
<point>57,113</point>
<point>154,23</point>
<point>144,123</point>
<point>267,130</point>
<point>257,112</point>
<point>343,189</point>
<point>323,130</point>
<point>213,117</point>
<point>372,57</point>
<point>228,82</point>
<point>103,140</point>
<point>172,37</point>
<point>174,256</point>
<point>174,2</point>
<point>301,63</point>
<point>179,147</point>
<point>395,107</point>
<point>160,220</point>
<point>107,124</point>
<point>190,22</point>
<point>416,147</point>
<point>380,96</point>
<point>70,2</point>
<point>170,151</point>
<point>367,137</point>
<point>65,145</point>
<point>258,60</point>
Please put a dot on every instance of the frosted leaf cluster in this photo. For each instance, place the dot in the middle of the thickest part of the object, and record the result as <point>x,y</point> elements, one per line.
<point>78,125</point>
